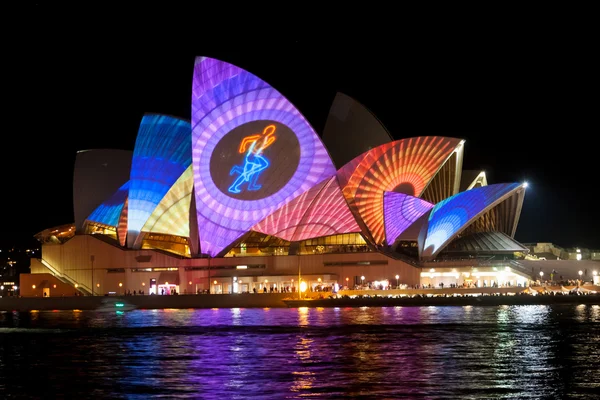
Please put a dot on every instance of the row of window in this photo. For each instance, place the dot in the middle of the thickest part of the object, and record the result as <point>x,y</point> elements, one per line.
<point>250,266</point>
<point>158,269</point>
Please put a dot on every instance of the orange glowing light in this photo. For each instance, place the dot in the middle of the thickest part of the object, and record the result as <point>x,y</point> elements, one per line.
<point>268,137</point>
<point>406,166</point>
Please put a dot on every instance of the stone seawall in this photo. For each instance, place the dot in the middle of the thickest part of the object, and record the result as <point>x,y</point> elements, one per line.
<point>275,300</point>
<point>262,300</point>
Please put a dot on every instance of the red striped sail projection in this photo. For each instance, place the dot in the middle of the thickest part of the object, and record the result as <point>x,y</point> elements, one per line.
<point>122,226</point>
<point>404,166</point>
<point>320,211</point>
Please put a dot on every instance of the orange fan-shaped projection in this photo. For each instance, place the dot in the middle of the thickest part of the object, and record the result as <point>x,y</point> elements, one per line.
<point>404,166</point>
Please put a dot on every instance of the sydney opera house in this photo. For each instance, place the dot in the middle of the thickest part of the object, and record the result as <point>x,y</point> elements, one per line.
<point>247,195</point>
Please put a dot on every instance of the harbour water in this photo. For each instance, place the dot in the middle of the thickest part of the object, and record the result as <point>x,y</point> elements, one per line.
<point>500,352</point>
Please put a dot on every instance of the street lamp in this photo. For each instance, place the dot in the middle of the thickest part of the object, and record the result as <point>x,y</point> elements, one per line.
<point>580,273</point>
<point>542,274</point>
<point>362,280</point>
<point>397,282</point>
<point>347,279</point>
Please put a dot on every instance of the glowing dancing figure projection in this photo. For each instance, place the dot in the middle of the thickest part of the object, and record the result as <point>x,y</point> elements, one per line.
<point>254,161</point>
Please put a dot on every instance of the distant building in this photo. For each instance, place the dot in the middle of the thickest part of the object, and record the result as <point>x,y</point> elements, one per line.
<point>14,261</point>
<point>552,251</point>
<point>567,263</point>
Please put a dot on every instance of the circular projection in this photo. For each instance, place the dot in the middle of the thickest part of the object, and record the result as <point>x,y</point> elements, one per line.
<point>225,98</point>
<point>255,160</point>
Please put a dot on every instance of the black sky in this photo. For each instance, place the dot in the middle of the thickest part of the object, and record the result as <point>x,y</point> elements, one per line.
<point>526,106</point>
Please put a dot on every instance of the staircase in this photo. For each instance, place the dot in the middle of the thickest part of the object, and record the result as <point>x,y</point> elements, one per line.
<point>66,279</point>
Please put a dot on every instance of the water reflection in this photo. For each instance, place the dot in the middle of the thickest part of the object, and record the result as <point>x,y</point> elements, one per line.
<point>303,316</point>
<point>236,316</point>
<point>432,352</point>
<point>303,378</point>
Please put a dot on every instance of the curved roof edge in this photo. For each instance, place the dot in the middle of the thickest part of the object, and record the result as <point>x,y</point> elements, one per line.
<point>97,175</point>
<point>354,124</point>
<point>149,114</point>
<point>453,186</point>
<point>109,212</point>
<point>485,242</point>
<point>432,241</point>
<point>472,178</point>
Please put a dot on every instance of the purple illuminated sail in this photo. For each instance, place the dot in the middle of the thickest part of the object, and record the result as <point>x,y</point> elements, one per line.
<point>400,211</point>
<point>252,152</point>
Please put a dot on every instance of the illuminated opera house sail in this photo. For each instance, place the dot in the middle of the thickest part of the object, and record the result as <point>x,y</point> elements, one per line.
<point>248,176</point>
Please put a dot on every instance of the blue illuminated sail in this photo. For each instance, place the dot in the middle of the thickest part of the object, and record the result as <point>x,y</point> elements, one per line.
<point>162,153</point>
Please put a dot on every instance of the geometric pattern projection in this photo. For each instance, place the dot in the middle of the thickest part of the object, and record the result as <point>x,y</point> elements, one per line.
<point>225,97</point>
<point>453,214</point>
<point>108,213</point>
<point>400,211</point>
<point>404,166</point>
<point>162,153</point>
<point>320,211</point>
<point>172,215</point>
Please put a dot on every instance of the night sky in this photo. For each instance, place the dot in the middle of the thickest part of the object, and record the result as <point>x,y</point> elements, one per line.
<point>527,112</point>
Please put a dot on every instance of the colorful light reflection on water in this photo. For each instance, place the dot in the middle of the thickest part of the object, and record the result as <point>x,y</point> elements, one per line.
<point>390,352</point>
